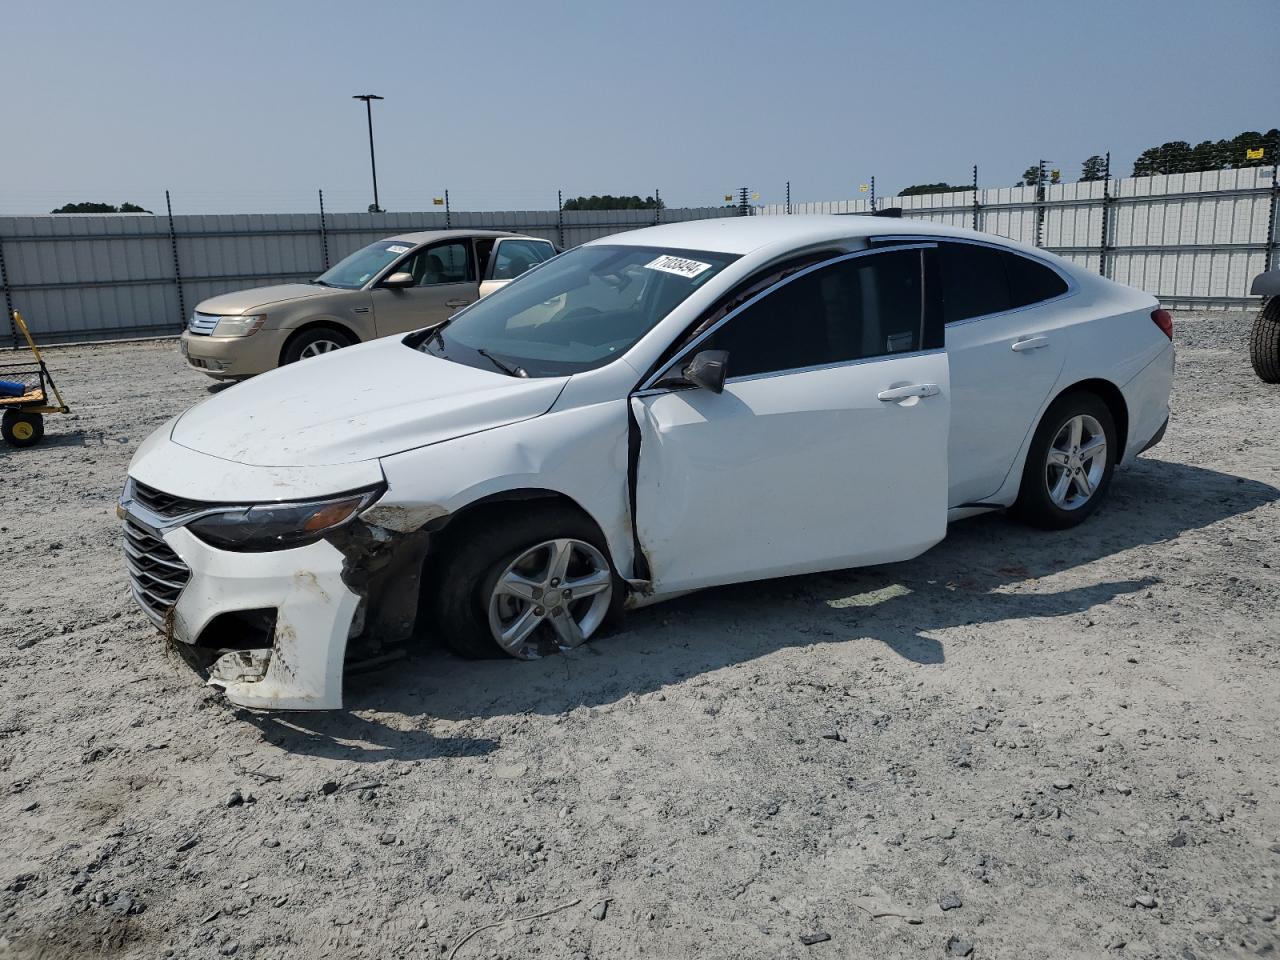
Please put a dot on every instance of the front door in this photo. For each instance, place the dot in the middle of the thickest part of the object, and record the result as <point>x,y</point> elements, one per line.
<point>444,283</point>
<point>828,446</point>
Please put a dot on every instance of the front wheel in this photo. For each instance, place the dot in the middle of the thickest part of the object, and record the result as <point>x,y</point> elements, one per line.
<point>1069,463</point>
<point>314,342</point>
<point>1264,342</point>
<point>526,585</point>
<point>21,429</point>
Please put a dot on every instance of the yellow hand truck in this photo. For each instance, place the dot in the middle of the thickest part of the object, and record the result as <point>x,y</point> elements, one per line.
<point>25,389</point>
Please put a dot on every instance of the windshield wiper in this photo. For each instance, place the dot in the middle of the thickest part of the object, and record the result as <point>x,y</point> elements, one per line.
<point>321,283</point>
<point>508,370</point>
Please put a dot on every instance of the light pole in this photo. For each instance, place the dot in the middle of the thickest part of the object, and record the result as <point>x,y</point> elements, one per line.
<point>368,99</point>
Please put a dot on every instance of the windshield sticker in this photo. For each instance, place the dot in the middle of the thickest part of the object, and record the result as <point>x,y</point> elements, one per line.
<point>678,265</point>
<point>398,249</point>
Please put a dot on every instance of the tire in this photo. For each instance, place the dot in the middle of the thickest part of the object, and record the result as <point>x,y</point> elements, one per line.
<point>314,341</point>
<point>462,587</point>
<point>1264,342</point>
<point>1037,503</point>
<point>21,429</point>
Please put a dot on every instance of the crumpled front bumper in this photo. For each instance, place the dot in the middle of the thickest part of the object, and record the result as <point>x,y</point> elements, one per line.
<point>302,667</point>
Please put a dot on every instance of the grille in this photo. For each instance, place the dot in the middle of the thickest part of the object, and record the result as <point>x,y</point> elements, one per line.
<point>203,323</point>
<point>165,504</point>
<point>156,572</point>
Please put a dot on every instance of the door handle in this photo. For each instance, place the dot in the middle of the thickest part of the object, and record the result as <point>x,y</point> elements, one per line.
<point>1030,343</point>
<point>456,303</point>
<point>911,390</point>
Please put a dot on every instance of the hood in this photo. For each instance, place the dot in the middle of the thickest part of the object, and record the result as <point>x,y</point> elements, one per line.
<point>360,403</point>
<point>230,304</point>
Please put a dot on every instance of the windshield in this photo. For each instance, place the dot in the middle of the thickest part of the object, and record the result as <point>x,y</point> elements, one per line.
<point>363,265</point>
<point>575,312</point>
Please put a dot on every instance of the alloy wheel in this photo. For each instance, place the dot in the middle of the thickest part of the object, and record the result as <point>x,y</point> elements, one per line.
<point>1076,462</point>
<point>552,596</point>
<point>317,347</point>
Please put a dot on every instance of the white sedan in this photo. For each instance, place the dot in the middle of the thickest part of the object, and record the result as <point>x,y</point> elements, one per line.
<point>645,415</point>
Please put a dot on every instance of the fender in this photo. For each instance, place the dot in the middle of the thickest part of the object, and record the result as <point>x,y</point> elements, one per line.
<point>1266,284</point>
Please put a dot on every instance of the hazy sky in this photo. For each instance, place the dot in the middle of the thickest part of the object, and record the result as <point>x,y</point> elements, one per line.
<point>246,106</point>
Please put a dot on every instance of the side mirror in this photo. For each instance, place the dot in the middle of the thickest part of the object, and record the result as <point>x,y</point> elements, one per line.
<point>708,370</point>
<point>398,281</point>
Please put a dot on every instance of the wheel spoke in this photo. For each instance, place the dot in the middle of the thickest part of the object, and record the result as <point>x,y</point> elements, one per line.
<point>1083,485</point>
<point>516,632</point>
<point>1058,493</point>
<point>1096,447</point>
<point>561,555</point>
<point>515,585</point>
<point>1058,458</point>
<point>567,629</point>
<point>1077,431</point>
<point>598,581</point>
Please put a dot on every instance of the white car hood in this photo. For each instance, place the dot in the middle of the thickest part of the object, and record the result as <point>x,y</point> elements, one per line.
<point>361,403</point>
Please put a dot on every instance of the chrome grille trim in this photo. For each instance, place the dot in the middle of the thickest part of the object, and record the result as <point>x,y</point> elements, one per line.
<point>203,323</point>
<point>164,504</point>
<point>157,575</point>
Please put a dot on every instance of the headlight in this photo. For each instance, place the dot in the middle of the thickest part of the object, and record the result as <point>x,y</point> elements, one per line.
<point>239,326</point>
<point>278,526</point>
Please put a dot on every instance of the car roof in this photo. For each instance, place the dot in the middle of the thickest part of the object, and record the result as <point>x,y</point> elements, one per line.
<point>742,235</point>
<point>428,236</point>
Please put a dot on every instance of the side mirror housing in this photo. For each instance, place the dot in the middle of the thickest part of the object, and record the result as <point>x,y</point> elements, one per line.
<point>398,281</point>
<point>708,370</point>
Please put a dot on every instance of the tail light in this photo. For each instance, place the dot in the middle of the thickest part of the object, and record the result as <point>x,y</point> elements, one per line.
<point>1164,320</point>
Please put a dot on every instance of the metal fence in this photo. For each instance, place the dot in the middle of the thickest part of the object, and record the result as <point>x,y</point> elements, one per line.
<point>1194,240</point>
<point>96,277</point>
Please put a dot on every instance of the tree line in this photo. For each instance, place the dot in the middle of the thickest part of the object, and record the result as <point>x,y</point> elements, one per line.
<point>1247,149</point>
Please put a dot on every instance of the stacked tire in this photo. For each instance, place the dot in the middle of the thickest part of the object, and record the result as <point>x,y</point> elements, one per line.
<point>1264,342</point>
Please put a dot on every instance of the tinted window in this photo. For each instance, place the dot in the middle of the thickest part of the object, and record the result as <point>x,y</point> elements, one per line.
<point>1031,282</point>
<point>864,307</point>
<point>974,281</point>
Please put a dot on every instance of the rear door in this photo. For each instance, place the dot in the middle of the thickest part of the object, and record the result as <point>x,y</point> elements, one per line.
<point>510,258</point>
<point>826,449</point>
<point>444,282</point>
<point>1007,348</point>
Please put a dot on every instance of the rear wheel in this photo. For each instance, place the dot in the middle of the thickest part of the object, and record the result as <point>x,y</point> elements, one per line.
<point>1264,342</point>
<point>526,585</point>
<point>313,342</point>
<point>1069,463</point>
<point>21,429</point>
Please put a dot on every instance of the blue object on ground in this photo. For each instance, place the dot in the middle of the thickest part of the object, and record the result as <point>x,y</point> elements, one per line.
<point>10,388</point>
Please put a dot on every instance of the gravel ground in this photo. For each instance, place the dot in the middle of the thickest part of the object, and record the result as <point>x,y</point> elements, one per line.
<point>1021,744</point>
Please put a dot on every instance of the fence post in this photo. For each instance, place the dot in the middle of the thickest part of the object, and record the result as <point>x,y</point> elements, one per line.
<point>788,197</point>
<point>177,273</point>
<point>1272,240</point>
<point>873,194</point>
<point>1106,216</point>
<point>657,206</point>
<point>560,217</point>
<point>744,202</point>
<point>448,216</point>
<point>1040,205</point>
<point>8,297</point>
<point>324,233</point>
<point>976,205</point>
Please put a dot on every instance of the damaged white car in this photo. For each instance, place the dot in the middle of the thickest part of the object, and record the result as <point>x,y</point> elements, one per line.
<point>645,415</point>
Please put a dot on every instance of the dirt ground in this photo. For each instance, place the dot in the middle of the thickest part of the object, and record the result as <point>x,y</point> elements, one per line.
<point>1023,745</point>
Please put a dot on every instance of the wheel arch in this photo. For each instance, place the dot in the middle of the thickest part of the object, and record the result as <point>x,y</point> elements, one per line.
<point>447,529</point>
<point>1109,394</point>
<point>311,323</point>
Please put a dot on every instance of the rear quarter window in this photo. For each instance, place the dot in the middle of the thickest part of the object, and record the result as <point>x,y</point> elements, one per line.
<point>1031,282</point>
